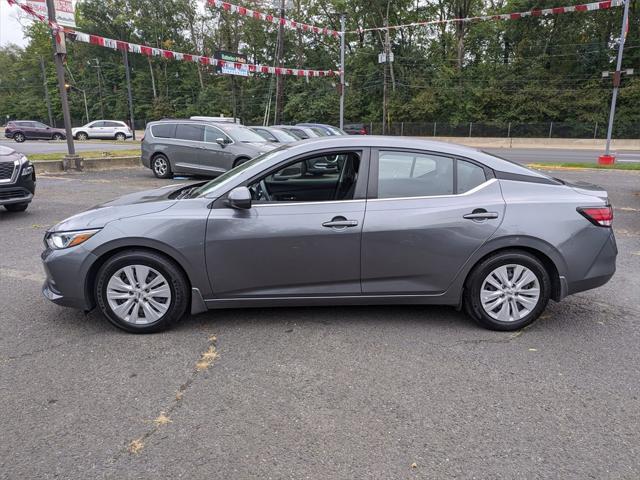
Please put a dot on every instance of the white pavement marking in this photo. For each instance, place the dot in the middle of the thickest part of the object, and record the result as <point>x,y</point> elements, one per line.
<point>21,275</point>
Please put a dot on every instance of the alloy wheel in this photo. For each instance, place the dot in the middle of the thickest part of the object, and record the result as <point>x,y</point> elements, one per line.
<point>510,292</point>
<point>160,166</point>
<point>138,294</point>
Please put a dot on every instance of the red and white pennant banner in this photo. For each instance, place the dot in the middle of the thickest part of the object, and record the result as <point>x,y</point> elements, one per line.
<point>586,7</point>
<point>186,57</point>
<point>291,24</point>
<point>170,54</point>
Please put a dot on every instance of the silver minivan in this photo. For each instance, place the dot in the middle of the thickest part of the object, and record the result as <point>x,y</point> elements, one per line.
<point>196,147</point>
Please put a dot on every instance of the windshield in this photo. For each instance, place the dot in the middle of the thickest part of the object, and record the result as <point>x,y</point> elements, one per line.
<point>229,175</point>
<point>241,134</point>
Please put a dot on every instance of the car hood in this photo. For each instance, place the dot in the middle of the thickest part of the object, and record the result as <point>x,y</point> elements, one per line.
<point>261,146</point>
<point>131,205</point>
<point>6,151</point>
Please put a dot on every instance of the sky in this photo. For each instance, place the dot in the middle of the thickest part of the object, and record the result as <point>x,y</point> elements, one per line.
<point>10,27</point>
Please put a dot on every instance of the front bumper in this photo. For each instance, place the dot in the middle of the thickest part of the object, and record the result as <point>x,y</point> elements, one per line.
<point>8,134</point>
<point>66,273</point>
<point>21,190</point>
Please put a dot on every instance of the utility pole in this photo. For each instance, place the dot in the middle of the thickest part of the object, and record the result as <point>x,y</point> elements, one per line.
<point>342,73</point>
<point>387,50</point>
<point>125,58</point>
<point>46,91</point>
<point>616,76</point>
<point>280,78</point>
<point>59,51</point>
<point>97,66</point>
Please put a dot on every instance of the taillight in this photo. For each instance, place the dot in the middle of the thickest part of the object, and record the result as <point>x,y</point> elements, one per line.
<point>600,216</point>
<point>363,131</point>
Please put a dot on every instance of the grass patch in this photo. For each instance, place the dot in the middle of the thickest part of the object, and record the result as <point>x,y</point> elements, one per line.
<point>38,157</point>
<point>567,166</point>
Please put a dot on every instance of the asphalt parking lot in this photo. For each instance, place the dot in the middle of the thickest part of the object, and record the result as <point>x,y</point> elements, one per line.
<point>359,392</point>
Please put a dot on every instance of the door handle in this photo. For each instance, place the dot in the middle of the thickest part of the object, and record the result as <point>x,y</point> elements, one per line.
<point>480,214</point>
<point>335,223</point>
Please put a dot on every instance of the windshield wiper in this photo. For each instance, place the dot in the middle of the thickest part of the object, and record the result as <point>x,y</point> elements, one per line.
<point>186,193</point>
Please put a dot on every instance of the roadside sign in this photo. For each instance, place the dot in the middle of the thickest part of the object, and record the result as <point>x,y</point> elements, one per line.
<point>65,12</point>
<point>235,63</point>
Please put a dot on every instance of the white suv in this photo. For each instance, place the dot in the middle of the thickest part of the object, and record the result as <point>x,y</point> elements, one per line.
<point>112,129</point>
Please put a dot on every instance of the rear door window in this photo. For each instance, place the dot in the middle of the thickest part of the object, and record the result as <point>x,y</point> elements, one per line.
<point>190,131</point>
<point>408,174</point>
<point>163,130</point>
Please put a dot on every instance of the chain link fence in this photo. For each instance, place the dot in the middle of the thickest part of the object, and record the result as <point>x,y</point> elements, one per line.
<point>504,130</point>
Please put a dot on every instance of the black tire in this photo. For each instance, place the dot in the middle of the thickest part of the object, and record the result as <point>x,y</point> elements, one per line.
<point>121,137</point>
<point>19,137</point>
<point>240,161</point>
<point>56,136</point>
<point>82,136</point>
<point>473,285</point>
<point>176,280</point>
<point>161,167</point>
<point>17,207</point>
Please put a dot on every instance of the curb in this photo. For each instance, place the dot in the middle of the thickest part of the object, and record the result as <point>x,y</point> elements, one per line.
<point>89,164</point>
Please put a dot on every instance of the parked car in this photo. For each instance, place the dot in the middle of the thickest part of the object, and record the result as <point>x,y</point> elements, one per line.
<point>17,180</point>
<point>398,221</point>
<point>198,147</point>
<point>302,132</point>
<point>356,129</point>
<point>273,134</point>
<point>21,130</point>
<point>103,129</point>
<point>329,130</point>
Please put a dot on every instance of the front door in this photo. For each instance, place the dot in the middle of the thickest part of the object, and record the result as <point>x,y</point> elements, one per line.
<point>301,237</point>
<point>216,158</point>
<point>428,214</point>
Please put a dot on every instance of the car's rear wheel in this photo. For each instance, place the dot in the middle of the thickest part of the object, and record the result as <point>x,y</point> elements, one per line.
<point>82,136</point>
<point>141,291</point>
<point>56,136</point>
<point>19,137</point>
<point>507,291</point>
<point>161,167</point>
<point>17,207</point>
<point>121,137</point>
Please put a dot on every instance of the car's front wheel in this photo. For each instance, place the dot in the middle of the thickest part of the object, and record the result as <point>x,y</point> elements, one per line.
<point>121,137</point>
<point>507,291</point>
<point>161,167</point>
<point>141,291</point>
<point>56,136</point>
<point>17,207</point>
<point>82,136</point>
<point>19,137</point>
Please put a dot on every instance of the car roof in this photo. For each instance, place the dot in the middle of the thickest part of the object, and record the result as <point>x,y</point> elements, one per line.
<point>413,143</point>
<point>188,120</point>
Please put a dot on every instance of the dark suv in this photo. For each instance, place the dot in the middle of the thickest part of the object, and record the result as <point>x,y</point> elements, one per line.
<point>21,130</point>
<point>17,180</point>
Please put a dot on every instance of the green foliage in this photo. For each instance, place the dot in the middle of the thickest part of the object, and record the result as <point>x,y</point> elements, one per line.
<point>528,71</point>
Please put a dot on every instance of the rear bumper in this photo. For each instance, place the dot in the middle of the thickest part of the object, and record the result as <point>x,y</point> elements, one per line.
<point>600,271</point>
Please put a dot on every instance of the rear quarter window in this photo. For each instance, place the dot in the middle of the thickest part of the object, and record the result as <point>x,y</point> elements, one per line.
<point>470,176</point>
<point>163,130</point>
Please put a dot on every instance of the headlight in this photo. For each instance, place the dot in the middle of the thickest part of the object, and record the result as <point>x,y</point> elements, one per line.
<point>59,240</point>
<point>27,170</point>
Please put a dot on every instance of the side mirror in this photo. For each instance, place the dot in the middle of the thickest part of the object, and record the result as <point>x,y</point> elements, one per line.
<point>221,141</point>
<point>240,198</point>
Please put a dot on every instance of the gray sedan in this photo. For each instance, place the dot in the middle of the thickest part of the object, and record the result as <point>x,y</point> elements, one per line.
<point>339,221</point>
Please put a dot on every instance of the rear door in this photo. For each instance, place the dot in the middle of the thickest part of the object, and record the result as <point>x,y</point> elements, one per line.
<point>426,215</point>
<point>186,150</point>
